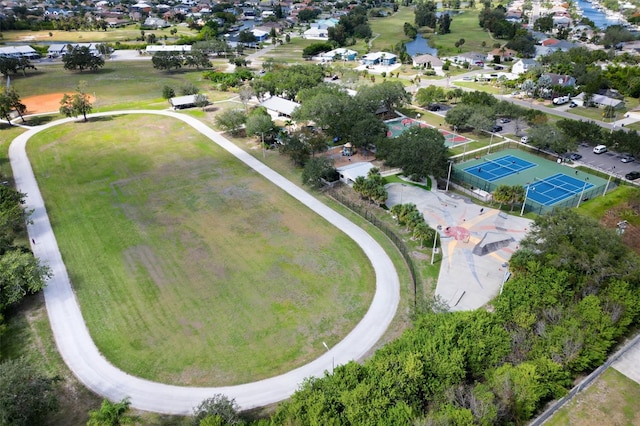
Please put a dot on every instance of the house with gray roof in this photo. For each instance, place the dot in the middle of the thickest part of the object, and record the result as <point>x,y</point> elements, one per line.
<point>277,106</point>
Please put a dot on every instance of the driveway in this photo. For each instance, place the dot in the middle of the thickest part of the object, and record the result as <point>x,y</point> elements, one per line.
<point>95,372</point>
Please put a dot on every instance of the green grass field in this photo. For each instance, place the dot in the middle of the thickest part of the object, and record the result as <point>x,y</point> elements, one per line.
<point>464,25</point>
<point>119,85</point>
<point>611,400</point>
<point>173,244</point>
<point>125,34</point>
<point>388,31</point>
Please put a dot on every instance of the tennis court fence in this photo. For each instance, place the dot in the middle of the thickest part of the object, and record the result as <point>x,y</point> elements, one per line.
<point>470,181</point>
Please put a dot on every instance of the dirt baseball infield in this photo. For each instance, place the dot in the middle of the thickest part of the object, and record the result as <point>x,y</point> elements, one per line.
<point>45,103</point>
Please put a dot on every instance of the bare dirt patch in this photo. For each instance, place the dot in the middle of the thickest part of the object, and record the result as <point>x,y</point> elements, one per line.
<point>615,216</point>
<point>41,104</point>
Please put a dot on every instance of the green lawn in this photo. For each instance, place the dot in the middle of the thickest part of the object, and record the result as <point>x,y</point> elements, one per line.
<point>481,87</point>
<point>389,31</point>
<point>126,34</point>
<point>611,400</point>
<point>464,25</point>
<point>172,244</point>
<point>119,85</point>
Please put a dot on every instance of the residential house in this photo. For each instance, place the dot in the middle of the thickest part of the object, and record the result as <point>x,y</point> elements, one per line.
<point>379,58</point>
<point>599,101</point>
<point>340,54</point>
<point>156,23</point>
<point>473,58</point>
<point>316,33</point>
<point>503,53</point>
<point>428,62</point>
<point>561,80</point>
<point>522,66</point>
<point>279,107</point>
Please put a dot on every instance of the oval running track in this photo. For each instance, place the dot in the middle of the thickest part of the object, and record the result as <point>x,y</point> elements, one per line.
<point>95,372</point>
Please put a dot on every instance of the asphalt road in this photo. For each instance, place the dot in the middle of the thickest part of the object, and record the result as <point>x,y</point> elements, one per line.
<point>95,372</point>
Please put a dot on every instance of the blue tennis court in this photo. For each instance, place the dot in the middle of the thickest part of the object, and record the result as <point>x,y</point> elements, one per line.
<point>556,188</point>
<point>498,168</point>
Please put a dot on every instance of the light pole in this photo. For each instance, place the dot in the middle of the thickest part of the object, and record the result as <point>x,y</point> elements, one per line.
<point>449,175</point>
<point>433,250</point>
<point>332,359</point>
<point>524,203</point>
<point>582,193</point>
<point>606,188</point>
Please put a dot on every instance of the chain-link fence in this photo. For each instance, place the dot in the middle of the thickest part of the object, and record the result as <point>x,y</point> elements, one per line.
<point>370,216</point>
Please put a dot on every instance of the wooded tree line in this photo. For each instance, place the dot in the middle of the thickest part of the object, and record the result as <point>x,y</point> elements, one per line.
<point>572,296</point>
<point>26,396</point>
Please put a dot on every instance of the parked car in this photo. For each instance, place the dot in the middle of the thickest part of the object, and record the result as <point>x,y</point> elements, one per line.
<point>599,149</point>
<point>496,129</point>
<point>632,175</point>
<point>505,120</point>
<point>575,156</point>
<point>573,105</point>
<point>628,159</point>
<point>524,139</point>
<point>433,107</point>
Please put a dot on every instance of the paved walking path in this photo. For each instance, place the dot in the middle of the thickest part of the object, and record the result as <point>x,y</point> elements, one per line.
<point>94,371</point>
<point>629,363</point>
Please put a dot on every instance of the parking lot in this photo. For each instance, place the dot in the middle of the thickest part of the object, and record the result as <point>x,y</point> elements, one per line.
<point>609,161</point>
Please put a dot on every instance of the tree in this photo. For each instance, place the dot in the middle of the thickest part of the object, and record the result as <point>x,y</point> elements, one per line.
<point>10,101</point>
<point>197,58</point>
<point>371,187</point>
<point>422,233</point>
<point>545,136</point>
<point>246,37</point>
<point>12,65</point>
<point>444,24</point>
<point>167,60</point>
<point>26,396</point>
<point>544,23</point>
<point>81,58</point>
<point>480,122</point>
<point>259,125</point>
<point>76,104</point>
<point>111,414</point>
<point>502,194</point>
<point>231,120</point>
<point>20,274</point>
<point>246,92</point>
<point>429,94</point>
<point>317,169</point>
<point>420,152</point>
<point>168,92</point>
<point>12,216</point>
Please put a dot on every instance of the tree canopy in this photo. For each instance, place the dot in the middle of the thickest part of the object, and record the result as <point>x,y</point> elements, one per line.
<point>573,293</point>
<point>77,104</point>
<point>419,151</point>
<point>80,58</point>
<point>27,397</point>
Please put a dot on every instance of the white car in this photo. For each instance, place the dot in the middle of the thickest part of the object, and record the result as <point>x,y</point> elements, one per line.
<point>524,139</point>
<point>599,149</point>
